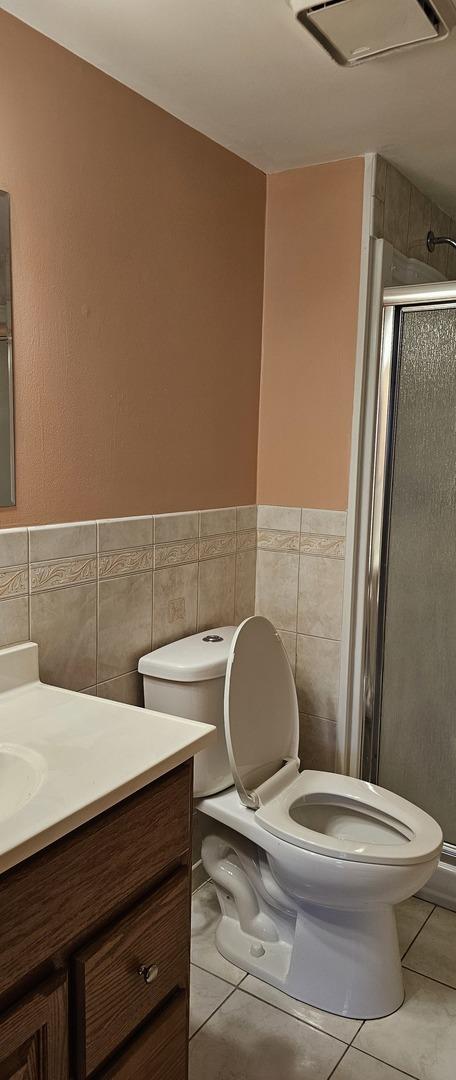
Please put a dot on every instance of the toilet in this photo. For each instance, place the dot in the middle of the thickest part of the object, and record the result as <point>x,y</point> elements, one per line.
<point>307,865</point>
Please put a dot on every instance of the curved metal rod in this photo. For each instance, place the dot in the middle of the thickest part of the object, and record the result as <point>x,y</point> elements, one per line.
<point>432,240</point>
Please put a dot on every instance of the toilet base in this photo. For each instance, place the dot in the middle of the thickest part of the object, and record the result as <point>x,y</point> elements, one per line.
<point>335,959</point>
<point>342,962</point>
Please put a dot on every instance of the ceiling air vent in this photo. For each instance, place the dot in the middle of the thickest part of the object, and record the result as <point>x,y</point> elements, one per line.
<point>353,31</point>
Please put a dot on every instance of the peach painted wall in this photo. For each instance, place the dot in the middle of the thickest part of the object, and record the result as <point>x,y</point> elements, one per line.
<point>137,296</point>
<point>312,260</point>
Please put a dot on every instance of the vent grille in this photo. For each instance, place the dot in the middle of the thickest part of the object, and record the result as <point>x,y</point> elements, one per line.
<point>354,31</point>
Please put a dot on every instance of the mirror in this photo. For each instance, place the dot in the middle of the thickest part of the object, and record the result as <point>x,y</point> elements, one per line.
<point>7,496</point>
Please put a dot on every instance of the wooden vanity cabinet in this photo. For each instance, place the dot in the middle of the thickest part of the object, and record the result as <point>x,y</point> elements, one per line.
<point>94,946</point>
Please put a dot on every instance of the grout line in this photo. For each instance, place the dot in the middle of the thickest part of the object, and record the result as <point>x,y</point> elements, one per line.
<point>417,934</point>
<point>333,1071</point>
<point>430,978</point>
<point>412,1076</point>
<point>301,1019</point>
<point>215,1010</point>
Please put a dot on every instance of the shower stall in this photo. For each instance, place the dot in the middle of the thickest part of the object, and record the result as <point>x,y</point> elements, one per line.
<point>409,675</point>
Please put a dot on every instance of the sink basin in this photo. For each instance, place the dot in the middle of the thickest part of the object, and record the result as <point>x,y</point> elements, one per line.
<point>22,772</point>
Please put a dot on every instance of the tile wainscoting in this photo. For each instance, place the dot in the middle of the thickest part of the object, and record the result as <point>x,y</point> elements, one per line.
<point>299,586</point>
<point>97,595</point>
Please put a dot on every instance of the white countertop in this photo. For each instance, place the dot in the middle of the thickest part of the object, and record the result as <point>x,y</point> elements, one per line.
<point>91,754</point>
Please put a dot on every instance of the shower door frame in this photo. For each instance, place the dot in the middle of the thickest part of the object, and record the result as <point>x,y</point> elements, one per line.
<point>395,302</point>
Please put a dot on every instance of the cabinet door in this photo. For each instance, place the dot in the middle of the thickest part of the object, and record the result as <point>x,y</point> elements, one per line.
<point>34,1035</point>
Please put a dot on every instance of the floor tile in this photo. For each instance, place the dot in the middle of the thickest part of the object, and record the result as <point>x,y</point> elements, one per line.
<point>358,1066</point>
<point>410,917</point>
<point>434,951</point>
<point>420,1038</point>
<point>247,1039</point>
<point>207,992</point>
<point>205,916</point>
<point>338,1026</point>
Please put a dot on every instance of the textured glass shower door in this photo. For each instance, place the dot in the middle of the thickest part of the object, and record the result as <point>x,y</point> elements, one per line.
<point>415,692</point>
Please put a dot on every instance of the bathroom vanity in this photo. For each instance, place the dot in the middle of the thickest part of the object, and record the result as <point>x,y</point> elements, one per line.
<point>95,922</point>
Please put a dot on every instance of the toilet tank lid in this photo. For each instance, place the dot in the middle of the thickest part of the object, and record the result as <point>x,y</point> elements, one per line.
<point>191,659</point>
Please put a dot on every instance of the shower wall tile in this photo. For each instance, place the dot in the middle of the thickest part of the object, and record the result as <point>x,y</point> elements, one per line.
<point>397,208</point>
<point>403,215</point>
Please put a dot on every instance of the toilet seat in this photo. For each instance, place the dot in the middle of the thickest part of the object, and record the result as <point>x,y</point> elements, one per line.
<point>338,816</point>
<point>351,819</point>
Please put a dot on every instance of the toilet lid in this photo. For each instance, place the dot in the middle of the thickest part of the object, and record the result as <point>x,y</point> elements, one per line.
<point>261,708</point>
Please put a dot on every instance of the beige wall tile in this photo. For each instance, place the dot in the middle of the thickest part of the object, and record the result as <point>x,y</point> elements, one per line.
<point>176,527</point>
<point>63,623</point>
<point>213,546</point>
<point>397,207</point>
<point>216,592</point>
<point>62,541</point>
<point>289,642</point>
<point>13,547</point>
<point>213,522</point>
<point>317,743</point>
<point>245,585</point>
<point>116,533</point>
<point>317,676</point>
<point>181,551</point>
<point>91,691</point>
<point>14,620</point>
<point>380,178</point>
<point>287,518</point>
<point>277,588</point>
<point>419,225</point>
<point>321,583</point>
<point>126,688</point>
<point>246,517</point>
<point>124,623</point>
<point>378,216</point>
<point>175,603</point>
<point>324,522</point>
<point>54,575</point>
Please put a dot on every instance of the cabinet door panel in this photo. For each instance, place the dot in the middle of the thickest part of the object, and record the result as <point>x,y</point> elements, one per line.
<point>34,1035</point>
<point>161,1051</point>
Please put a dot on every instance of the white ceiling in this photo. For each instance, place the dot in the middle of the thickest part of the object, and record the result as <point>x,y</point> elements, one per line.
<point>248,75</point>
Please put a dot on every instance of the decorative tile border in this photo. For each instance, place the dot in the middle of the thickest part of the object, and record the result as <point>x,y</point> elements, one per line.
<point>116,563</point>
<point>13,581</point>
<point>215,546</point>
<point>246,540</point>
<point>332,547</point>
<point>276,540</point>
<point>182,551</point>
<point>54,575</point>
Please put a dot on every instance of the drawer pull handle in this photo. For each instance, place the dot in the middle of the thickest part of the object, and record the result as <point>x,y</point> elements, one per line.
<point>149,974</point>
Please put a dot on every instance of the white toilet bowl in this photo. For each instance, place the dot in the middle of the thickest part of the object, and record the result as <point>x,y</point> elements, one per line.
<point>307,866</point>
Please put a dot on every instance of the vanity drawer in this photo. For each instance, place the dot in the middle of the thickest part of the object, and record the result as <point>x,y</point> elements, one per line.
<point>112,996</point>
<point>160,1051</point>
<point>78,883</point>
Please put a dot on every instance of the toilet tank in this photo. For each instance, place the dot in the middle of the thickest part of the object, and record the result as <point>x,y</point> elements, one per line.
<point>187,678</point>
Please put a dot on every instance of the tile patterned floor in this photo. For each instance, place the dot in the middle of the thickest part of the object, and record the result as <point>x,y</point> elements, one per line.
<point>243,1029</point>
